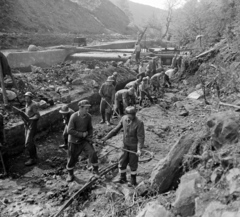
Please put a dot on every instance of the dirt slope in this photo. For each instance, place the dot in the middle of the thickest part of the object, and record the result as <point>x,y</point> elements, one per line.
<point>61,16</point>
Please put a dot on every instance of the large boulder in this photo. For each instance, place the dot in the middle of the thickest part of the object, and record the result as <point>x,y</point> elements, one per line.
<point>168,170</point>
<point>233,179</point>
<point>154,209</point>
<point>224,128</point>
<point>186,193</point>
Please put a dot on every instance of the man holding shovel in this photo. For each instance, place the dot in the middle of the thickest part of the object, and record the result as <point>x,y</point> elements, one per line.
<point>107,93</point>
<point>133,140</point>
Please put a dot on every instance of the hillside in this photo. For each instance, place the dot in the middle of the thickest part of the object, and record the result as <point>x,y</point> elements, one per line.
<point>142,13</point>
<point>63,16</point>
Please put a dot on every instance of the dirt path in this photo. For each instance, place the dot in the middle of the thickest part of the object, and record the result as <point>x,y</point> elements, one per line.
<point>41,190</point>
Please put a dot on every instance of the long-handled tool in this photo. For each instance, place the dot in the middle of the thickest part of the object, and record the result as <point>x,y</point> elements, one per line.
<point>4,168</point>
<point>132,152</point>
<point>112,108</point>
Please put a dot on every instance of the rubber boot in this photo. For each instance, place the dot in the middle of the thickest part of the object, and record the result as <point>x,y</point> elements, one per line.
<point>122,179</point>
<point>65,145</point>
<point>30,162</point>
<point>70,176</point>
<point>133,182</point>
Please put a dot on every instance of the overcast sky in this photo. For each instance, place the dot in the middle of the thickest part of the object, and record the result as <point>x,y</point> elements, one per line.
<point>154,3</point>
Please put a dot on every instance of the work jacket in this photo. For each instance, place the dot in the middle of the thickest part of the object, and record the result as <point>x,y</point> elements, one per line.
<point>133,132</point>
<point>107,91</point>
<point>124,96</point>
<point>78,125</point>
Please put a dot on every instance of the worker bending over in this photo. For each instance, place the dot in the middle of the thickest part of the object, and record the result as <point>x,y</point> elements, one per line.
<point>80,132</point>
<point>156,81</point>
<point>107,93</point>
<point>123,99</point>
<point>144,91</point>
<point>133,140</point>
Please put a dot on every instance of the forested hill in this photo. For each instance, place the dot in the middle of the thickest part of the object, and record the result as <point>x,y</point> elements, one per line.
<point>63,16</point>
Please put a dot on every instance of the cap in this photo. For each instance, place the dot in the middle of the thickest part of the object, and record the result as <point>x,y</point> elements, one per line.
<point>115,73</point>
<point>145,79</point>
<point>83,103</point>
<point>110,78</point>
<point>131,110</point>
<point>131,90</point>
<point>139,80</point>
<point>28,94</point>
<point>65,109</point>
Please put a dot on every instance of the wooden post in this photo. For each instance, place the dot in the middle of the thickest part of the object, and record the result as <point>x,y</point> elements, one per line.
<point>4,93</point>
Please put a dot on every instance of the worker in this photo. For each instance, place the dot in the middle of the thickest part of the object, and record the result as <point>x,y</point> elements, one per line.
<point>133,84</point>
<point>133,140</point>
<point>107,93</point>
<point>80,133</point>
<point>144,91</point>
<point>179,62</point>
<point>33,114</point>
<point>123,99</point>
<point>151,67</point>
<point>141,71</point>
<point>174,61</point>
<point>156,81</point>
<point>114,76</point>
<point>168,75</point>
<point>128,62</point>
<point>66,114</point>
<point>137,52</point>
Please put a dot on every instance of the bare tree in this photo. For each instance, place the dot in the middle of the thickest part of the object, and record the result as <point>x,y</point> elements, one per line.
<point>171,5</point>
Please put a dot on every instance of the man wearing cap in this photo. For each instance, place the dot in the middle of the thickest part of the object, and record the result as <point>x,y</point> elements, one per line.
<point>80,133</point>
<point>107,93</point>
<point>114,76</point>
<point>137,51</point>
<point>31,110</point>
<point>123,99</point>
<point>151,67</point>
<point>144,90</point>
<point>66,114</point>
<point>135,84</point>
<point>133,140</point>
<point>168,75</point>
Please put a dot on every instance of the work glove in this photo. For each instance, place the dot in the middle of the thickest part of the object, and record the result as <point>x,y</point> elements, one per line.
<point>139,152</point>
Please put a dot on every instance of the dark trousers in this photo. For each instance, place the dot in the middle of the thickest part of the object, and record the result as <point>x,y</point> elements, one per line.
<point>104,107</point>
<point>137,56</point>
<point>119,107</point>
<point>166,80</point>
<point>142,95</point>
<point>65,135</point>
<point>30,132</point>
<point>75,149</point>
<point>130,159</point>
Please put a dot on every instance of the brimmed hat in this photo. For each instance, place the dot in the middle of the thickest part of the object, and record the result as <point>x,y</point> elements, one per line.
<point>83,103</point>
<point>65,109</point>
<point>28,94</point>
<point>110,78</point>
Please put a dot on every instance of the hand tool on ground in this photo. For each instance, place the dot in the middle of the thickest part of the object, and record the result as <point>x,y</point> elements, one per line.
<point>112,108</point>
<point>132,152</point>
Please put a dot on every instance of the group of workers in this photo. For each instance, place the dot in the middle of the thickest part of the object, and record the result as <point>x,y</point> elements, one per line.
<point>78,129</point>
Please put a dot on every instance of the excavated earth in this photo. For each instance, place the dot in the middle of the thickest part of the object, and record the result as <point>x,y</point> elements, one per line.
<point>41,190</point>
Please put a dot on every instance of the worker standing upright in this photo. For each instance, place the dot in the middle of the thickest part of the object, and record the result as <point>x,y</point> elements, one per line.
<point>144,91</point>
<point>107,93</point>
<point>133,140</point>
<point>114,76</point>
<point>33,114</point>
<point>137,51</point>
<point>80,132</point>
<point>66,114</point>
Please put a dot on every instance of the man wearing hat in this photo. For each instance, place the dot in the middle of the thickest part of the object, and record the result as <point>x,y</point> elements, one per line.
<point>31,110</point>
<point>133,140</point>
<point>144,90</point>
<point>135,84</point>
<point>114,76</point>
<point>66,114</point>
<point>107,93</point>
<point>123,99</point>
<point>80,133</point>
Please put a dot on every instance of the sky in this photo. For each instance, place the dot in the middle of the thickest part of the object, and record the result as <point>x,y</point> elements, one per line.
<point>155,3</point>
